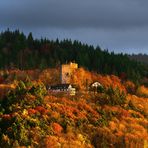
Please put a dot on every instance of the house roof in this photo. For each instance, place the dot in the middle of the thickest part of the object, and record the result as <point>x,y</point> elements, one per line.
<point>96,84</point>
<point>60,86</point>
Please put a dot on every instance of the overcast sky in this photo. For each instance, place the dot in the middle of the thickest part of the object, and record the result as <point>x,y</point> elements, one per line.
<point>119,25</point>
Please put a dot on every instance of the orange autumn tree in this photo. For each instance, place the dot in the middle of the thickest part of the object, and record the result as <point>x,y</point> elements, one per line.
<point>130,87</point>
<point>81,78</point>
<point>50,76</point>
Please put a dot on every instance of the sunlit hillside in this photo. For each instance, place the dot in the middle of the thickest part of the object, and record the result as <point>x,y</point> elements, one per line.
<point>114,116</point>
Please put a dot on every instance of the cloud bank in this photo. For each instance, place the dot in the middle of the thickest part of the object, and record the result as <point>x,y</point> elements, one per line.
<point>117,25</point>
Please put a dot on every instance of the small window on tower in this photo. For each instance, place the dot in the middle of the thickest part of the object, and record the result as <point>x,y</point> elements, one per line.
<point>67,74</point>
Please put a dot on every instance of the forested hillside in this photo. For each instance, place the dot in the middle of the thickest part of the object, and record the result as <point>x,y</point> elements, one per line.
<point>115,116</point>
<point>25,52</point>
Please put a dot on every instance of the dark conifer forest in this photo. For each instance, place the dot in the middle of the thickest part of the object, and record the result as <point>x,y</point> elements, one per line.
<point>25,52</point>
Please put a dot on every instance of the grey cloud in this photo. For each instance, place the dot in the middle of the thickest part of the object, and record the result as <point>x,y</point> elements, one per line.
<point>120,25</point>
<point>116,14</point>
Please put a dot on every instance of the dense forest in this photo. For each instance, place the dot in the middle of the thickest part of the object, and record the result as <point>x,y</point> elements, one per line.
<point>24,52</point>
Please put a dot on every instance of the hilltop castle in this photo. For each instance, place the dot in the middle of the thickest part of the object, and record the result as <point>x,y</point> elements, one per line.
<point>67,71</point>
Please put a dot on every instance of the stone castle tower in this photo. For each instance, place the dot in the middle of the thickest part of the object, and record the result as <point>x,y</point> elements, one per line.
<point>67,71</point>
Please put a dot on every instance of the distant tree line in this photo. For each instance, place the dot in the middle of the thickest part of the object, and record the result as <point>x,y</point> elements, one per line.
<point>139,57</point>
<point>24,52</point>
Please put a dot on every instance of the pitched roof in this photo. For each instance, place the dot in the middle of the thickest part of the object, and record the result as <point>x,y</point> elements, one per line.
<point>96,84</point>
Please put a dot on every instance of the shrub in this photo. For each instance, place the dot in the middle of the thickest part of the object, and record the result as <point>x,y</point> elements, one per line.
<point>142,91</point>
<point>130,87</point>
<point>20,97</point>
<point>112,96</point>
<point>57,128</point>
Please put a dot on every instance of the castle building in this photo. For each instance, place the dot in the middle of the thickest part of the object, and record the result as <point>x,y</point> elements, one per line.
<point>67,71</point>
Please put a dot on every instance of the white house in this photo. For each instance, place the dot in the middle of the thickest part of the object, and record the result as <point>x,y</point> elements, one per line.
<point>95,84</point>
